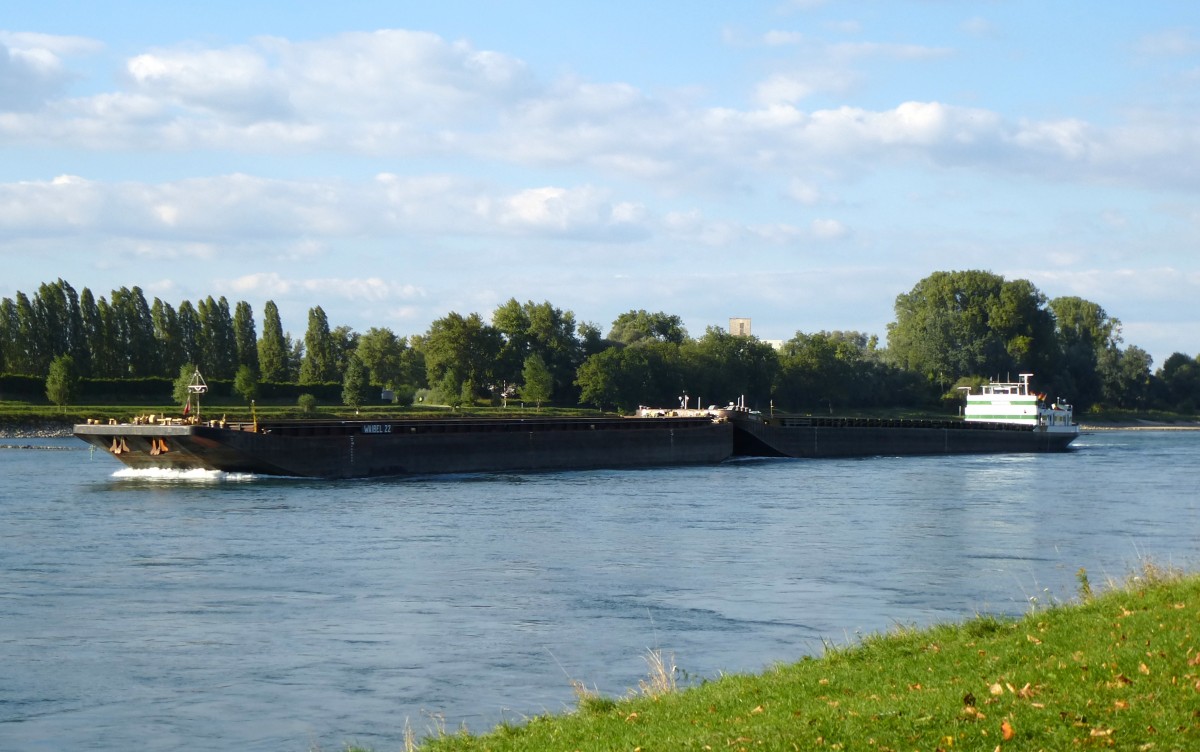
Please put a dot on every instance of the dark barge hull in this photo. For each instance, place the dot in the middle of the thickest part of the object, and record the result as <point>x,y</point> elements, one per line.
<point>347,449</point>
<point>867,437</point>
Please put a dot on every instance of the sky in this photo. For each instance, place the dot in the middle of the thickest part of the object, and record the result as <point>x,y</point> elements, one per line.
<point>797,162</point>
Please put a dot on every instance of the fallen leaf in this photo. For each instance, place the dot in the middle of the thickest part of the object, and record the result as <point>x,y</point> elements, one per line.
<point>973,713</point>
<point>996,689</point>
<point>1101,732</point>
<point>1143,668</point>
<point>1121,704</point>
<point>1006,731</point>
<point>759,709</point>
<point>1033,639</point>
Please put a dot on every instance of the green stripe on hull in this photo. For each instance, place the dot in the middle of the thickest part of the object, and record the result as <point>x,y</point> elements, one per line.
<point>1004,418</point>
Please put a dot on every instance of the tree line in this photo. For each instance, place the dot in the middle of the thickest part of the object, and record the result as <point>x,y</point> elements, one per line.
<point>952,329</point>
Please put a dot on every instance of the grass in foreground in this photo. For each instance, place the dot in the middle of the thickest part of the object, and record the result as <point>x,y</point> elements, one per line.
<point>1119,670</point>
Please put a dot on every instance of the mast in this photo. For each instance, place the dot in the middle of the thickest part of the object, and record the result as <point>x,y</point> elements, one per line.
<point>197,387</point>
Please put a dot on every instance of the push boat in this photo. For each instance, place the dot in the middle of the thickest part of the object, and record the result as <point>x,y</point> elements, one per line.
<point>1003,418</point>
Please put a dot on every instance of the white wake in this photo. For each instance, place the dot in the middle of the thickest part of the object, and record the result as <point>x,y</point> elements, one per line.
<point>191,475</point>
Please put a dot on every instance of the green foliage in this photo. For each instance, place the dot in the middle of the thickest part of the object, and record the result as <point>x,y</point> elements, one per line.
<point>307,403</point>
<point>651,373</point>
<point>272,348</point>
<point>387,358</point>
<point>1125,377</point>
<point>179,389</point>
<point>537,329</point>
<point>167,336</point>
<point>537,381</point>
<point>245,339</point>
<point>951,326</point>
<point>954,324</point>
<point>722,367</point>
<point>320,350</point>
<point>62,384</point>
<point>245,383</point>
<point>355,385</point>
<point>639,326</point>
<point>460,353</point>
<point>839,370</point>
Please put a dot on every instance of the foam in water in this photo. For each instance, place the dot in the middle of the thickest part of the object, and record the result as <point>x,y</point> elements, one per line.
<point>191,475</point>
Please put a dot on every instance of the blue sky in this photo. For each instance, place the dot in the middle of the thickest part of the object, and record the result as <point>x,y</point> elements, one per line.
<point>798,162</point>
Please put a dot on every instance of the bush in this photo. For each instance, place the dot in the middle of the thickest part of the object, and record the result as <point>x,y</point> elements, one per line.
<point>307,403</point>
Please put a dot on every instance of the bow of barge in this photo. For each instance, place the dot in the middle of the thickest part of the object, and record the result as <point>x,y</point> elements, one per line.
<point>353,448</point>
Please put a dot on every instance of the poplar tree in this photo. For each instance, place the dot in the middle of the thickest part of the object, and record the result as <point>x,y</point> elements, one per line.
<point>91,334</point>
<point>25,354</point>
<point>8,335</point>
<point>167,338</point>
<point>218,345</point>
<point>273,347</point>
<point>189,334</point>
<point>320,357</point>
<point>135,346</point>
<point>244,336</point>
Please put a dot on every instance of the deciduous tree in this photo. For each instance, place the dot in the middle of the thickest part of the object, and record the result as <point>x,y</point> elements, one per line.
<point>459,354</point>
<point>537,381</point>
<point>964,323</point>
<point>637,326</point>
<point>355,384</point>
<point>62,383</point>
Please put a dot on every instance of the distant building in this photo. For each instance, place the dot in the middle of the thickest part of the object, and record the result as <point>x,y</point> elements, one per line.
<point>739,327</point>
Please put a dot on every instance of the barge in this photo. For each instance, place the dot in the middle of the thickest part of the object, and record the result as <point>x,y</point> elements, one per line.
<point>1002,418</point>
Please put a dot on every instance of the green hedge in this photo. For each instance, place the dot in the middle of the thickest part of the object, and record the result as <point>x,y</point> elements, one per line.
<point>157,390</point>
<point>24,388</point>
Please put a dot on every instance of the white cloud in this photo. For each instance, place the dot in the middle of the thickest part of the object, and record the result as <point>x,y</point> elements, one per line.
<point>236,82</point>
<point>403,93</point>
<point>978,26</point>
<point>828,229</point>
<point>32,68</point>
<point>851,50</point>
<point>269,285</point>
<point>775,38</point>
<point>1169,43</point>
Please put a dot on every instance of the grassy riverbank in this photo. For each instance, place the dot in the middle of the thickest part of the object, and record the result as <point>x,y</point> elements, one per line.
<point>1120,670</point>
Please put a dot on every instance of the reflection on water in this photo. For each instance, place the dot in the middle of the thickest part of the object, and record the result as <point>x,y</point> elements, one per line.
<point>270,614</point>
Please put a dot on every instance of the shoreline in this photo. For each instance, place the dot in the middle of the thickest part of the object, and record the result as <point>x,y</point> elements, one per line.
<point>45,429</point>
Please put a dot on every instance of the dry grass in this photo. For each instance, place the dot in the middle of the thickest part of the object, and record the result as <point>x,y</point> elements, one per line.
<point>661,679</point>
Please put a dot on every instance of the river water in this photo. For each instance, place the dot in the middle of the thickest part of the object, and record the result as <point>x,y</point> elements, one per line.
<point>217,612</point>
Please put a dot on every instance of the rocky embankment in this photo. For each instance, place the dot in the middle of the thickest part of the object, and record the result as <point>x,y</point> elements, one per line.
<point>40,430</point>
